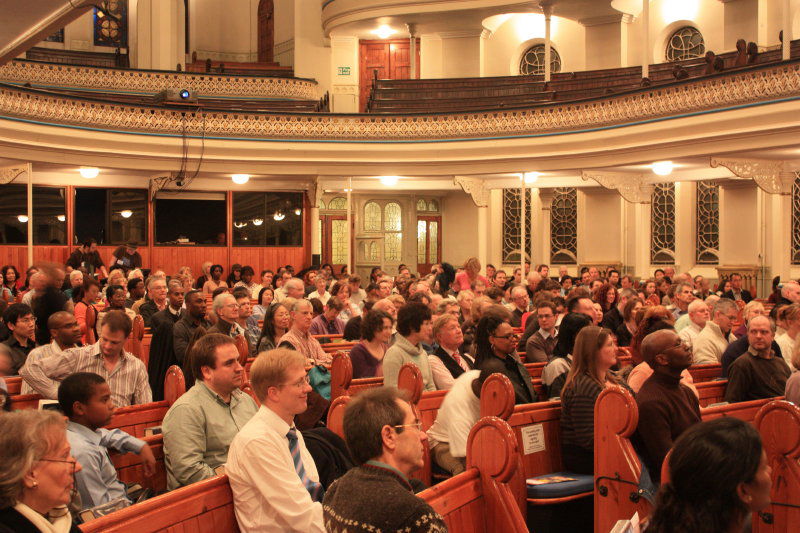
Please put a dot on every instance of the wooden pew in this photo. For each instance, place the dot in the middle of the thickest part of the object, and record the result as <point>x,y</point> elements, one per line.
<point>129,466</point>
<point>711,392</point>
<point>342,382</point>
<point>134,419</point>
<point>147,339</point>
<point>134,342</point>
<point>14,385</point>
<point>703,373</point>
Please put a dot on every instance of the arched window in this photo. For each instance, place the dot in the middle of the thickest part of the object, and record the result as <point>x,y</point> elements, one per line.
<point>393,226</point>
<point>662,224</point>
<point>321,203</point>
<point>707,236</point>
<point>685,43</point>
<point>564,226</point>
<point>532,61</point>
<point>337,204</point>
<point>422,205</point>
<point>372,217</point>
<point>392,217</point>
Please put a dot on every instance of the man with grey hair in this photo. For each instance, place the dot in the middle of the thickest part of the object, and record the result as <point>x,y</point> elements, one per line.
<point>520,301</point>
<point>534,279</point>
<point>716,335</point>
<point>697,317</point>
<point>156,299</point>
<point>292,288</point>
<point>790,293</point>
<point>298,337</point>
<point>683,296</point>
<point>227,310</point>
<point>759,372</point>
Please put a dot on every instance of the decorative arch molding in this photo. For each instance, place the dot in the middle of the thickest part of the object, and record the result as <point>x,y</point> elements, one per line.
<point>9,174</point>
<point>772,176</point>
<point>475,188</point>
<point>632,187</point>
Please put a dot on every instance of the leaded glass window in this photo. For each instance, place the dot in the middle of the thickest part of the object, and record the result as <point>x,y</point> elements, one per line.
<point>339,242</point>
<point>532,61</point>
<point>433,252</point>
<point>422,241</point>
<point>391,246</point>
<point>338,204</point>
<point>707,238</point>
<point>512,224</point>
<point>393,225</point>
<point>662,224</point>
<point>372,217</point>
<point>392,219</point>
<point>796,220</point>
<point>422,205</point>
<point>111,24</point>
<point>433,205</point>
<point>321,203</point>
<point>685,43</point>
<point>564,226</point>
<point>374,253</point>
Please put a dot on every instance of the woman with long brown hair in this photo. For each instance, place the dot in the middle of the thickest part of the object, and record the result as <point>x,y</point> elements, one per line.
<point>594,354</point>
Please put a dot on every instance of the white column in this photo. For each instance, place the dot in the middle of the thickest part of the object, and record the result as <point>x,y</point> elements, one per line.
<point>412,35</point>
<point>349,225</point>
<point>547,10</point>
<point>316,242</point>
<point>483,227</point>
<point>786,26</point>
<point>645,38</point>
<point>522,190</point>
<point>159,28</point>
<point>30,213</point>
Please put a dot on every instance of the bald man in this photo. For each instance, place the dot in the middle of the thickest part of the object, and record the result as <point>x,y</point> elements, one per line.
<point>667,407</point>
<point>790,293</point>
<point>66,333</point>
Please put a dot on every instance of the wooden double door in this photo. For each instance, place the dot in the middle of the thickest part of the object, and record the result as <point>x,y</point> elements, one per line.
<point>390,58</point>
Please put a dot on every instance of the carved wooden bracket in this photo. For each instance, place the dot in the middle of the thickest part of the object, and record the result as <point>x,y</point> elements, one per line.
<point>632,187</point>
<point>773,176</point>
<point>314,192</point>
<point>475,188</point>
<point>9,174</point>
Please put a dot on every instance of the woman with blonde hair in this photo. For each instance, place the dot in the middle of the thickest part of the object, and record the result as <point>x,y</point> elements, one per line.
<point>37,473</point>
<point>753,308</point>
<point>470,273</point>
<point>594,354</point>
<point>787,339</point>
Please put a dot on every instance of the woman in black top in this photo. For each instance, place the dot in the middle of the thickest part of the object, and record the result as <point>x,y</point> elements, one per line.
<point>495,340</point>
<point>627,329</point>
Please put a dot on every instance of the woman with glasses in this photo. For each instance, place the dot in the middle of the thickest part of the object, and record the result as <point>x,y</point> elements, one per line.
<point>37,473</point>
<point>495,340</point>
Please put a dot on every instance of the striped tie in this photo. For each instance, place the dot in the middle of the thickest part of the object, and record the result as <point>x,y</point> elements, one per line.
<point>313,487</point>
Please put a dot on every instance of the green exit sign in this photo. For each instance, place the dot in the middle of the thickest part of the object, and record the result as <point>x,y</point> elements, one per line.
<point>344,71</point>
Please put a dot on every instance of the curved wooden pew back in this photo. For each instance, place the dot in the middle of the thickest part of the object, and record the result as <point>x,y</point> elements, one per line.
<point>134,419</point>
<point>704,373</point>
<point>342,382</point>
<point>711,392</point>
<point>129,466</point>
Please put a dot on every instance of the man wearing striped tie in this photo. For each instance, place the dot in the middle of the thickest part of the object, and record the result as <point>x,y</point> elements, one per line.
<point>273,477</point>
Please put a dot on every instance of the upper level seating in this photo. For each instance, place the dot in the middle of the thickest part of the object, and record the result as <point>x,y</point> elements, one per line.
<point>271,69</point>
<point>497,92</point>
<point>77,57</point>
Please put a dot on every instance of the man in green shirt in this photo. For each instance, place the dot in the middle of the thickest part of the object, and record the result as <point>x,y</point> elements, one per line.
<point>200,425</point>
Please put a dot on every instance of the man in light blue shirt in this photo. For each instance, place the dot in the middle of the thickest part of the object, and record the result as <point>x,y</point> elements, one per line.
<point>86,400</point>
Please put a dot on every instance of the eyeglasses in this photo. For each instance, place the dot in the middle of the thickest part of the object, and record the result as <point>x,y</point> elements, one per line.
<point>507,337</point>
<point>300,383</point>
<point>71,460</point>
<point>417,425</point>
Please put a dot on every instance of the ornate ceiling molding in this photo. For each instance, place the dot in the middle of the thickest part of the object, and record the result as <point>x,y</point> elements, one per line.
<point>9,174</point>
<point>771,175</point>
<point>632,187</point>
<point>475,188</point>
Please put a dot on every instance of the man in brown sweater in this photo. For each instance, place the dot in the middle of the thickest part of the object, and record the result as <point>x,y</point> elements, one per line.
<point>666,406</point>
<point>758,373</point>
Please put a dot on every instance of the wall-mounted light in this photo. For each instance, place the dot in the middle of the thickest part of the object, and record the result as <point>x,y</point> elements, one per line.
<point>531,177</point>
<point>383,31</point>
<point>22,218</point>
<point>61,218</point>
<point>240,179</point>
<point>662,168</point>
<point>389,181</point>
<point>278,216</point>
<point>258,221</point>
<point>89,172</point>
<point>297,211</point>
<point>126,213</point>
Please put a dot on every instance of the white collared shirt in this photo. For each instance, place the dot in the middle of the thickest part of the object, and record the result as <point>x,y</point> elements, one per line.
<point>268,495</point>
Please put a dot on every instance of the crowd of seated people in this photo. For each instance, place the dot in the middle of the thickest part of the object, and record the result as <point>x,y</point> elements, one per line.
<point>456,325</point>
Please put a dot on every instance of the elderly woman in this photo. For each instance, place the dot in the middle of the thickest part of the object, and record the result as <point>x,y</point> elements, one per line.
<point>37,473</point>
<point>753,308</point>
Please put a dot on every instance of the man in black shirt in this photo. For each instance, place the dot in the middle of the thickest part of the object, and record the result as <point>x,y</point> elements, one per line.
<point>88,258</point>
<point>19,319</point>
<point>127,258</point>
<point>759,372</point>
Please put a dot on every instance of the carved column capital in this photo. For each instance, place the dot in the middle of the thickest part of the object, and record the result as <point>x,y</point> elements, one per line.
<point>314,192</point>
<point>546,197</point>
<point>632,187</point>
<point>9,174</point>
<point>769,174</point>
<point>475,188</point>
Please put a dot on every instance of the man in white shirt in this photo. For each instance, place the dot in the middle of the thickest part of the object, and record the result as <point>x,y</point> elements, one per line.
<point>274,479</point>
<point>65,332</point>
<point>698,316</point>
<point>716,335</point>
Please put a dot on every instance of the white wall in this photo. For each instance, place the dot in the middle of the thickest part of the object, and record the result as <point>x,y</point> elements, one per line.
<point>738,222</point>
<point>459,228</point>
<point>599,225</point>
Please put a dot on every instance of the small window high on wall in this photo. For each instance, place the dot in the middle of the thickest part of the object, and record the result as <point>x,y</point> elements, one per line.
<point>190,218</point>
<point>532,61</point>
<point>110,216</point>
<point>267,219</point>
<point>685,43</point>
<point>49,215</point>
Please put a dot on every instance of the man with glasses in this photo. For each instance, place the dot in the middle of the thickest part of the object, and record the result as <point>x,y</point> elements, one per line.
<point>273,477</point>
<point>539,347</point>
<point>519,298</point>
<point>386,439</point>
<point>716,335</point>
<point>227,310</point>
<point>20,321</point>
<point>299,338</point>
<point>66,334</point>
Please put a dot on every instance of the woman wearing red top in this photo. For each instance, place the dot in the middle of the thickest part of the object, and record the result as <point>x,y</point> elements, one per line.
<point>85,297</point>
<point>465,279</point>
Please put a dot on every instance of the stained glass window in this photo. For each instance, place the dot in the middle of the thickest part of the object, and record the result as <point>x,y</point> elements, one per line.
<point>433,205</point>
<point>796,220</point>
<point>422,241</point>
<point>422,205</point>
<point>685,43</point>
<point>532,61</point>
<point>564,226</point>
<point>111,24</point>
<point>512,224</point>
<point>707,238</point>
<point>339,242</point>
<point>391,246</point>
<point>374,253</point>
<point>392,220</point>
<point>662,224</point>
<point>321,203</point>
<point>338,204</point>
<point>433,231</point>
<point>372,217</point>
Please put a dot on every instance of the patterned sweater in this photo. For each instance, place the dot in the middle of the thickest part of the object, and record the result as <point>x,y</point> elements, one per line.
<point>376,498</point>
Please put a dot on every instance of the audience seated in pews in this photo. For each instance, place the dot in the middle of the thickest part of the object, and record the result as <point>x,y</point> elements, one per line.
<point>125,374</point>
<point>292,288</point>
<point>276,323</point>
<point>66,333</point>
<point>37,473</point>
<point>298,337</point>
<point>156,299</point>
<point>83,299</point>
<point>320,285</point>
<point>215,281</point>
<point>613,317</point>
<point>555,373</point>
<point>200,425</point>
<point>85,398</point>
<point>413,329</point>
<point>446,362</point>
<point>273,477</point>
<point>460,410</point>
<point>115,298</point>
<point>497,342</point>
<point>20,321</point>
<point>718,476</point>
<point>627,328</point>
<point>247,282</point>
<point>245,319</point>
<point>367,355</point>
<point>594,355</point>
<point>539,346</point>
<point>265,297</point>
<point>711,342</point>
<point>759,372</point>
<point>329,323</point>
<point>667,407</point>
<point>736,291</point>
<point>520,301</point>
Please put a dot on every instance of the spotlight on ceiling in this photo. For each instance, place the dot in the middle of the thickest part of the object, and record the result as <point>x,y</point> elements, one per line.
<point>61,218</point>
<point>240,179</point>
<point>278,216</point>
<point>531,177</point>
<point>22,218</point>
<point>297,211</point>
<point>384,31</point>
<point>89,172</point>
<point>662,168</point>
<point>258,221</point>
<point>126,213</point>
<point>389,181</point>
